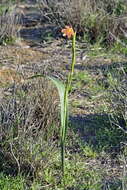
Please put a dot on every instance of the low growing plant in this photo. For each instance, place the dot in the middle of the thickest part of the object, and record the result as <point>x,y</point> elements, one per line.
<point>7,183</point>
<point>118,97</point>
<point>29,126</point>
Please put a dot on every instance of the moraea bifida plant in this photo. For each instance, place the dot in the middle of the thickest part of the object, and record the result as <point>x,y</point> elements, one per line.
<point>69,32</point>
<point>63,90</point>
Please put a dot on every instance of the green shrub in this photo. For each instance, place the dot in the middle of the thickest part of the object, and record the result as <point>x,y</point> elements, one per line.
<point>29,125</point>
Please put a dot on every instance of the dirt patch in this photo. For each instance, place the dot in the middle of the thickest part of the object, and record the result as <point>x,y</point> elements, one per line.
<point>8,76</point>
<point>20,55</point>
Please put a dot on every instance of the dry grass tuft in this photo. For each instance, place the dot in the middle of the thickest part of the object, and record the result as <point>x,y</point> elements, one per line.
<point>118,99</point>
<point>8,22</point>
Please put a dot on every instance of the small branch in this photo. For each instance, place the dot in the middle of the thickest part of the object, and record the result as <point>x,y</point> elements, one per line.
<point>117,39</point>
<point>12,152</point>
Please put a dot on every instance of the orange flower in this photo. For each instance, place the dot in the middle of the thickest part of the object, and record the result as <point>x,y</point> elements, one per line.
<point>68,31</point>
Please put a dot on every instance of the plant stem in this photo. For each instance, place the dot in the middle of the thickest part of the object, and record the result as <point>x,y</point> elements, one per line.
<point>73,54</point>
<point>73,61</point>
<point>67,88</point>
<point>63,156</point>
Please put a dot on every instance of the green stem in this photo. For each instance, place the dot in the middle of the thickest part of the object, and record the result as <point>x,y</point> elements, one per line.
<point>63,156</point>
<point>73,54</point>
<point>64,129</point>
<point>67,88</point>
<point>73,61</point>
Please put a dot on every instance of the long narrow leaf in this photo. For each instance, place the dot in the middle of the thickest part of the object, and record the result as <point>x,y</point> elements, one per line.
<point>61,89</point>
<point>63,94</point>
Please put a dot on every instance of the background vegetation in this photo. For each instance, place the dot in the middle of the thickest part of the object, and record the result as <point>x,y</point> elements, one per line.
<point>29,116</point>
<point>97,21</point>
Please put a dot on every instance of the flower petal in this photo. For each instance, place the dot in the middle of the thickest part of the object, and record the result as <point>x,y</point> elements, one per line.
<point>68,31</point>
